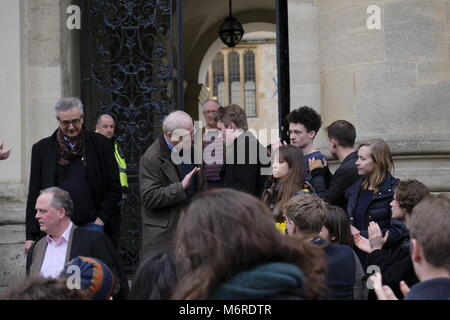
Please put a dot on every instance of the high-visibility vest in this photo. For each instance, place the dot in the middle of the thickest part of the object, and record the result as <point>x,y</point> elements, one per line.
<point>122,165</point>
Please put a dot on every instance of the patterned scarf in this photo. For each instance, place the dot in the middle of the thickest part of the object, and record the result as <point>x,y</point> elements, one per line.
<point>69,150</point>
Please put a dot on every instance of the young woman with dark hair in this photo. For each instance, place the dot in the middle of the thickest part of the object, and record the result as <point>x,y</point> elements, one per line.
<point>235,252</point>
<point>156,276</point>
<point>287,180</point>
<point>336,228</point>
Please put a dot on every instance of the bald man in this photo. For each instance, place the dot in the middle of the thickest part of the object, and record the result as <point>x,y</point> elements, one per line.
<point>166,186</point>
<point>106,126</point>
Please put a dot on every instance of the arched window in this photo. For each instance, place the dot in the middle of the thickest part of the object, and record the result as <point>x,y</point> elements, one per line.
<point>232,78</point>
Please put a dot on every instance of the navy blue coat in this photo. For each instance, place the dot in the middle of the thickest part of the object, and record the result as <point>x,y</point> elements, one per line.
<point>341,269</point>
<point>433,289</point>
<point>378,210</point>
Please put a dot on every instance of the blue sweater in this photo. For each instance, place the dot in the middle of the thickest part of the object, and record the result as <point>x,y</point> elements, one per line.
<point>433,289</point>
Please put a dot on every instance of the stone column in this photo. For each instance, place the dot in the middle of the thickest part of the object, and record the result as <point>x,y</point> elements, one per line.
<point>392,83</point>
<point>33,75</point>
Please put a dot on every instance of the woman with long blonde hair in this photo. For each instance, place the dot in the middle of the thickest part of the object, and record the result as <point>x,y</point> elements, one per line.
<point>370,196</point>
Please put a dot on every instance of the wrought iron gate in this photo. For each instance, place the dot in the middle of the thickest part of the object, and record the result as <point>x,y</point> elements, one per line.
<point>131,69</point>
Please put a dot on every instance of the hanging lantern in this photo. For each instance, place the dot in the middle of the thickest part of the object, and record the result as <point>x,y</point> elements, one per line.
<point>231,31</point>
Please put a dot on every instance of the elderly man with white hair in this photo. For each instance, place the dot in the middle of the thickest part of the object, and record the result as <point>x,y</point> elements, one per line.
<point>167,186</point>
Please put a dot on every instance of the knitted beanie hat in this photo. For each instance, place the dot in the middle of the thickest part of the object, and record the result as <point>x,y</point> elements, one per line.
<point>96,278</point>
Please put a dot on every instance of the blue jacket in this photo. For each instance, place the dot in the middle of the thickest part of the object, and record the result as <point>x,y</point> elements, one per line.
<point>341,269</point>
<point>378,209</point>
<point>433,289</point>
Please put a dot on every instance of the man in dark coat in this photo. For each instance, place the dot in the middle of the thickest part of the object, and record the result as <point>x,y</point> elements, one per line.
<point>65,241</point>
<point>167,181</point>
<point>246,159</point>
<point>341,141</point>
<point>79,162</point>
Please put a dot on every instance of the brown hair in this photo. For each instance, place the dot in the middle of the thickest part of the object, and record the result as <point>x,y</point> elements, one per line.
<point>343,132</point>
<point>430,226</point>
<point>409,193</point>
<point>293,181</point>
<point>224,232</point>
<point>40,288</point>
<point>307,212</point>
<point>381,156</point>
<point>233,113</point>
<point>338,224</point>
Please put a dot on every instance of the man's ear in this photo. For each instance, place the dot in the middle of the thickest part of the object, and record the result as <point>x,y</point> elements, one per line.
<point>333,142</point>
<point>62,212</point>
<point>232,125</point>
<point>416,251</point>
<point>312,134</point>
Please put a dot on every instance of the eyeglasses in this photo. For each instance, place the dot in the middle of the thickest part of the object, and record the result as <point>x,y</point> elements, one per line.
<point>74,122</point>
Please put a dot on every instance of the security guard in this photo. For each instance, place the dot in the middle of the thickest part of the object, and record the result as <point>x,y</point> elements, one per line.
<point>106,126</point>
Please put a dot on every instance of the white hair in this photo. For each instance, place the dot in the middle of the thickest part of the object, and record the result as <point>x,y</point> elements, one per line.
<point>176,120</point>
<point>68,103</point>
<point>211,100</point>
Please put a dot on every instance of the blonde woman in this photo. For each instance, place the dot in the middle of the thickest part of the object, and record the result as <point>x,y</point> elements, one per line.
<point>370,196</point>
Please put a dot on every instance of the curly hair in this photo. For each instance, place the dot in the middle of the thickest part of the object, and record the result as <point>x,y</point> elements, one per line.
<point>306,116</point>
<point>409,193</point>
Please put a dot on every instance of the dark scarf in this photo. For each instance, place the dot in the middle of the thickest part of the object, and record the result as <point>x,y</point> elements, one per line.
<point>66,153</point>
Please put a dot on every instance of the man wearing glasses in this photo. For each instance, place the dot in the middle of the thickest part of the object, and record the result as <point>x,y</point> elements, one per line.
<point>78,161</point>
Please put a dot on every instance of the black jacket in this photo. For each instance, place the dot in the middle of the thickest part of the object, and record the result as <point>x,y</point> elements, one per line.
<point>94,244</point>
<point>102,175</point>
<point>395,266</point>
<point>344,176</point>
<point>242,171</point>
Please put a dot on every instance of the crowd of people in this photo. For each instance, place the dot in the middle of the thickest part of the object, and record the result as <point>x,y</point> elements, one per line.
<point>221,228</point>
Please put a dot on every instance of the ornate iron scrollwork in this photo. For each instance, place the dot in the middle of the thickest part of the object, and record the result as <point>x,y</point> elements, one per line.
<point>128,71</point>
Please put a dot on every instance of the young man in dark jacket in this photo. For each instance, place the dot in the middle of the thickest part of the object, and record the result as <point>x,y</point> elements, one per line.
<point>341,141</point>
<point>246,158</point>
<point>305,215</point>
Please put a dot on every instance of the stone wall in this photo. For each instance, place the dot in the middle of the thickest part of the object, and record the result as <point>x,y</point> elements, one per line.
<point>32,79</point>
<point>392,83</point>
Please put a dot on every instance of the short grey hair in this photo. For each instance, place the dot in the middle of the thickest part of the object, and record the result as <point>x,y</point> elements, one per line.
<point>176,120</point>
<point>210,100</point>
<point>68,103</point>
<point>60,199</point>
